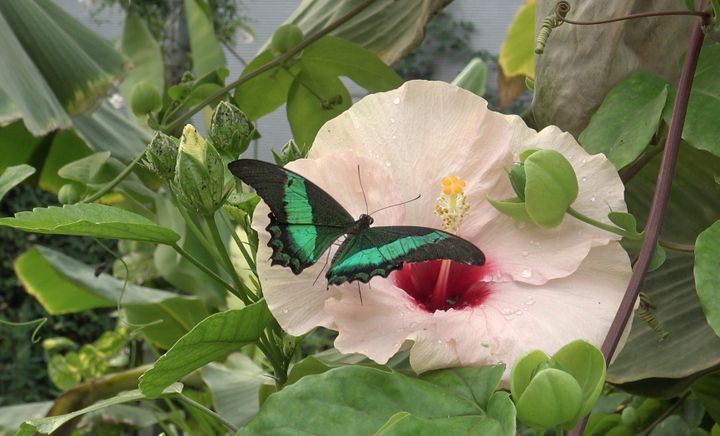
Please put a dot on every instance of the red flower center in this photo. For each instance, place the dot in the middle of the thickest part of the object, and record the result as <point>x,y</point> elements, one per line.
<point>444,284</point>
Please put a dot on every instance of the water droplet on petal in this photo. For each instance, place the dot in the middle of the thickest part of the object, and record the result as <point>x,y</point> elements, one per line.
<point>392,120</point>
<point>506,311</point>
<point>526,273</point>
<point>286,310</point>
<point>396,100</point>
<point>592,198</point>
<point>525,253</point>
<point>584,179</point>
<point>518,312</point>
<point>530,301</point>
<point>388,164</point>
<point>440,341</point>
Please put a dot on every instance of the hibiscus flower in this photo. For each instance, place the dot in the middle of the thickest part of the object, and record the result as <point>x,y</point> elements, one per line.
<point>539,288</point>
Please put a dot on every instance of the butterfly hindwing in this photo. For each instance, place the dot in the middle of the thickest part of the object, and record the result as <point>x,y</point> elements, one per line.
<point>378,251</point>
<point>304,219</point>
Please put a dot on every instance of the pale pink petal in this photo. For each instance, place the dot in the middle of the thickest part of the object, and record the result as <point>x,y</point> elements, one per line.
<point>425,131</point>
<point>530,254</point>
<point>377,326</point>
<point>297,301</point>
<point>519,317</point>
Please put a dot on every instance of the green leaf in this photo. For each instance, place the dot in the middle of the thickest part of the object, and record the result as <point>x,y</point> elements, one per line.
<point>64,285</point>
<point>207,55</point>
<point>701,128</point>
<point>691,346</point>
<point>50,424</point>
<point>214,338</point>
<point>12,416</point>
<point>139,45</point>
<point>473,77</point>
<point>315,97</point>
<point>627,119</point>
<point>658,258</point>
<point>673,425</point>
<point>337,402</point>
<point>13,176</point>
<point>517,53</point>
<point>512,207</point>
<point>263,94</point>
<point>707,280</point>
<point>339,57</point>
<point>474,384</point>
<point>94,220</point>
<point>523,370</point>
<point>389,28</point>
<point>17,143</point>
<point>625,221</point>
<point>234,387</point>
<point>551,187</point>
<point>706,390</point>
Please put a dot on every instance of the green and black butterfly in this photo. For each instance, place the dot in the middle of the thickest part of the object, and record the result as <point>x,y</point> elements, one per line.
<point>305,221</point>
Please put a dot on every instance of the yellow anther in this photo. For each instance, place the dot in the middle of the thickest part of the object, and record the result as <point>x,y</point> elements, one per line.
<point>451,206</point>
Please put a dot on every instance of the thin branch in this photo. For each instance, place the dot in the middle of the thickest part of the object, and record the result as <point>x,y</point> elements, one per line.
<point>114,182</point>
<point>665,414</point>
<point>278,61</point>
<point>677,246</point>
<point>660,197</point>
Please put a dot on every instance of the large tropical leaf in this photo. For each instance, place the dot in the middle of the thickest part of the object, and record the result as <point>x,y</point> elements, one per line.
<point>53,73</point>
<point>691,346</point>
<point>207,54</point>
<point>389,28</point>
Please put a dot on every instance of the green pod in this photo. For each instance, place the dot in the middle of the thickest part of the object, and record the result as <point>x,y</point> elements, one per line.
<point>161,155</point>
<point>551,187</point>
<point>230,130</point>
<point>552,399</point>
<point>199,174</point>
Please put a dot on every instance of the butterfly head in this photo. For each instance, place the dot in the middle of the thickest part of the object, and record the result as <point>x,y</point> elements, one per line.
<point>365,221</point>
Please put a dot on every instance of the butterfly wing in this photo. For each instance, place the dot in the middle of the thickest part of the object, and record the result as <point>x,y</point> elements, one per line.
<point>379,250</point>
<point>304,219</point>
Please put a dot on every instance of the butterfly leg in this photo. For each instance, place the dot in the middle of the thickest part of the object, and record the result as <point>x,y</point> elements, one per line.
<point>327,260</point>
<point>360,293</point>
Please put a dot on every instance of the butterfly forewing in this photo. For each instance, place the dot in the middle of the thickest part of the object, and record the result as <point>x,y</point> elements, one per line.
<point>304,219</point>
<point>378,251</point>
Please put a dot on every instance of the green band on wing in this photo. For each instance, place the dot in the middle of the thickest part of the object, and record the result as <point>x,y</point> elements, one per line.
<point>388,252</point>
<point>299,210</point>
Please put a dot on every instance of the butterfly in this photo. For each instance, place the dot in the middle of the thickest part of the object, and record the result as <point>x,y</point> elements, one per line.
<point>305,221</point>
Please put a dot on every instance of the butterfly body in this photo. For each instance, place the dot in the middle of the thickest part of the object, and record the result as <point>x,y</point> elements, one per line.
<point>305,221</point>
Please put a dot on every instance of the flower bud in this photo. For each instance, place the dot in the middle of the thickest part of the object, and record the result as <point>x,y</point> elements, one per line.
<point>286,37</point>
<point>290,152</point>
<point>199,175</point>
<point>557,391</point>
<point>71,193</point>
<point>518,180</point>
<point>550,187</point>
<point>230,130</point>
<point>161,155</point>
<point>145,98</point>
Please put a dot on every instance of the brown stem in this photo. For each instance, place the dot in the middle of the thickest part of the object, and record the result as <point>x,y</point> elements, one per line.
<point>660,197</point>
<point>268,66</point>
<point>634,16</point>
<point>638,164</point>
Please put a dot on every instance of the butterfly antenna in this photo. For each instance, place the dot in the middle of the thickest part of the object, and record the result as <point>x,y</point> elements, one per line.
<point>360,294</point>
<point>363,191</point>
<point>398,204</point>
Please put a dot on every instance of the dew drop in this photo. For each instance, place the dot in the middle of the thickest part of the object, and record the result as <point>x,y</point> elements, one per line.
<point>440,341</point>
<point>530,301</point>
<point>592,198</point>
<point>388,164</point>
<point>392,120</point>
<point>285,310</point>
<point>525,253</point>
<point>487,278</point>
<point>584,179</point>
<point>526,273</point>
<point>396,100</point>
<point>506,311</point>
<point>518,312</point>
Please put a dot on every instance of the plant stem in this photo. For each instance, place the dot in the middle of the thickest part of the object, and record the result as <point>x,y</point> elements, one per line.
<point>676,246</point>
<point>665,414</point>
<point>205,269</point>
<point>240,244</point>
<point>194,228</point>
<point>601,225</point>
<point>229,267</point>
<point>660,197</point>
<point>268,66</point>
<point>209,412</point>
<point>639,163</point>
<point>114,182</point>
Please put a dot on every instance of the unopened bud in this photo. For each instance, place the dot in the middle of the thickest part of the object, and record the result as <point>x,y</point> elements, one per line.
<point>161,155</point>
<point>199,175</point>
<point>230,130</point>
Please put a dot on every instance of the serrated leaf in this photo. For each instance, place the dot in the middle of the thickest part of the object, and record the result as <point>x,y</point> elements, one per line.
<point>339,57</point>
<point>627,119</point>
<point>13,176</point>
<point>707,280</point>
<point>49,424</point>
<point>517,53</point>
<point>213,338</point>
<point>315,97</point>
<point>336,402</point>
<point>94,220</point>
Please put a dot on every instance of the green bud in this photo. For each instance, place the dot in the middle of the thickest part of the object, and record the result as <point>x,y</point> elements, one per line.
<point>71,193</point>
<point>552,399</point>
<point>629,416</point>
<point>286,37</point>
<point>230,130</point>
<point>161,155</point>
<point>199,175</point>
<point>551,187</point>
<point>145,98</point>
<point>290,152</point>
<point>517,180</point>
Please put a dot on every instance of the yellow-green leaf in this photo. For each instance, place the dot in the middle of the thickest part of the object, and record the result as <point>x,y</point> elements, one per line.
<point>517,56</point>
